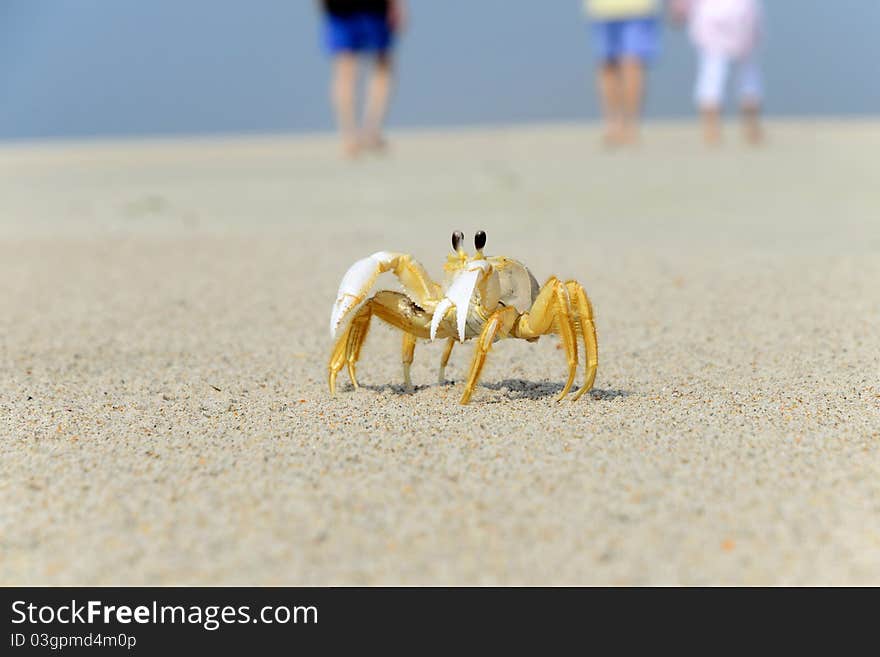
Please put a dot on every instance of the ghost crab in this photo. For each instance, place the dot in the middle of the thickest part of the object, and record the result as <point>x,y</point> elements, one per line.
<point>488,298</point>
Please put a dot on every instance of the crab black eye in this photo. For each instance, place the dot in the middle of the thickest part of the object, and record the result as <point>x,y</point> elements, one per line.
<point>457,239</point>
<point>480,240</point>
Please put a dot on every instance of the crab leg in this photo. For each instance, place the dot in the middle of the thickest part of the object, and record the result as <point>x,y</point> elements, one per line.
<point>444,359</point>
<point>409,347</point>
<point>583,312</point>
<point>337,359</point>
<point>360,325</point>
<point>551,313</point>
<point>348,347</point>
<point>568,334</point>
<point>392,307</point>
<point>500,321</point>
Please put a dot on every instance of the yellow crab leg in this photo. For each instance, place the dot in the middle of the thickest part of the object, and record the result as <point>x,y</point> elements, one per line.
<point>584,321</point>
<point>501,321</point>
<point>347,349</point>
<point>409,347</point>
<point>395,309</point>
<point>568,334</point>
<point>360,324</point>
<point>550,313</point>
<point>398,310</point>
<point>337,359</point>
<point>444,359</point>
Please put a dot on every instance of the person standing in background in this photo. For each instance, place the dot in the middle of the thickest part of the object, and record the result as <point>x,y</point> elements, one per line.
<point>353,28</point>
<point>627,37</point>
<point>725,33</point>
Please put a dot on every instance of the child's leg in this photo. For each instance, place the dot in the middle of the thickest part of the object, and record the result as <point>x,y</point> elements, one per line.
<point>640,43</point>
<point>607,43</point>
<point>709,93</point>
<point>609,82</point>
<point>751,94</point>
<point>378,94</point>
<point>343,97</point>
<point>633,83</point>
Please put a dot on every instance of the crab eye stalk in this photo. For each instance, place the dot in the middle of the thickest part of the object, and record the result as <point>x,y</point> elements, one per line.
<point>480,240</point>
<point>457,239</point>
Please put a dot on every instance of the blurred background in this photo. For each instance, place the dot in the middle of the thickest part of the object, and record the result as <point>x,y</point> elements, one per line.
<point>83,68</point>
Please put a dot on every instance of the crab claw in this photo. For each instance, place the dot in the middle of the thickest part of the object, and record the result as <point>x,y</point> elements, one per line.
<point>356,283</point>
<point>458,297</point>
<point>439,314</point>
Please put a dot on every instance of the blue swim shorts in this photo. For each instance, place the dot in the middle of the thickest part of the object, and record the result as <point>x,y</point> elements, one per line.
<point>363,32</point>
<point>629,37</point>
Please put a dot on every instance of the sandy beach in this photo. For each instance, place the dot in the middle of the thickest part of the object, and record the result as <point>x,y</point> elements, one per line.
<point>164,414</point>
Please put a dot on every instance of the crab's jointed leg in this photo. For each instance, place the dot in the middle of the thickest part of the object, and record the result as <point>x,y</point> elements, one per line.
<point>444,359</point>
<point>360,277</point>
<point>583,316</point>
<point>551,313</point>
<point>360,325</point>
<point>337,360</point>
<point>348,347</point>
<point>409,347</point>
<point>499,323</point>
<point>393,307</point>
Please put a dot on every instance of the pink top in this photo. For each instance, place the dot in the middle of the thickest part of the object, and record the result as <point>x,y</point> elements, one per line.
<point>726,27</point>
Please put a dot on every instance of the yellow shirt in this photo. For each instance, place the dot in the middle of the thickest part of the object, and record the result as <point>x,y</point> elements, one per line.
<point>613,9</point>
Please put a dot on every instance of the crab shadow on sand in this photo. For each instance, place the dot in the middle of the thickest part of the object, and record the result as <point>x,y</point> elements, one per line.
<point>515,389</point>
<point>522,389</point>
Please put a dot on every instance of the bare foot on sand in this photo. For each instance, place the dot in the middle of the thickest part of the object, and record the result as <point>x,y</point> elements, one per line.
<point>752,131</point>
<point>351,148</point>
<point>754,135</point>
<point>619,134</point>
<point>712,136</point>
<point>711,121</point>
<point>375,142</point>
<point>631,136</point>
<point>613,135</point>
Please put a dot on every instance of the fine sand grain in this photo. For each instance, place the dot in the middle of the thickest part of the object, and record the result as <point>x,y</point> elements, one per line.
<point>163,345</point>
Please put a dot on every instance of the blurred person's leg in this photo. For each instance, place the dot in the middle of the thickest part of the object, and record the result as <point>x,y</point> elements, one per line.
<point>341,40</point>
<point>378,32</point>
<point>633,86</point>
<point>378,94</point>
<point>751,94</point>
<point>640,39</point>
<point>709,94</point>
<point>609,81</point>
<point>343,89</point>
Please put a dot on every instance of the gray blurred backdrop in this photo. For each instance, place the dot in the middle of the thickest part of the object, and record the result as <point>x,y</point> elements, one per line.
<point>83,68</point>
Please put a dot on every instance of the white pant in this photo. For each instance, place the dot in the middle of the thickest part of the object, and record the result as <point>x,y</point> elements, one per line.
<point>712,79</point>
